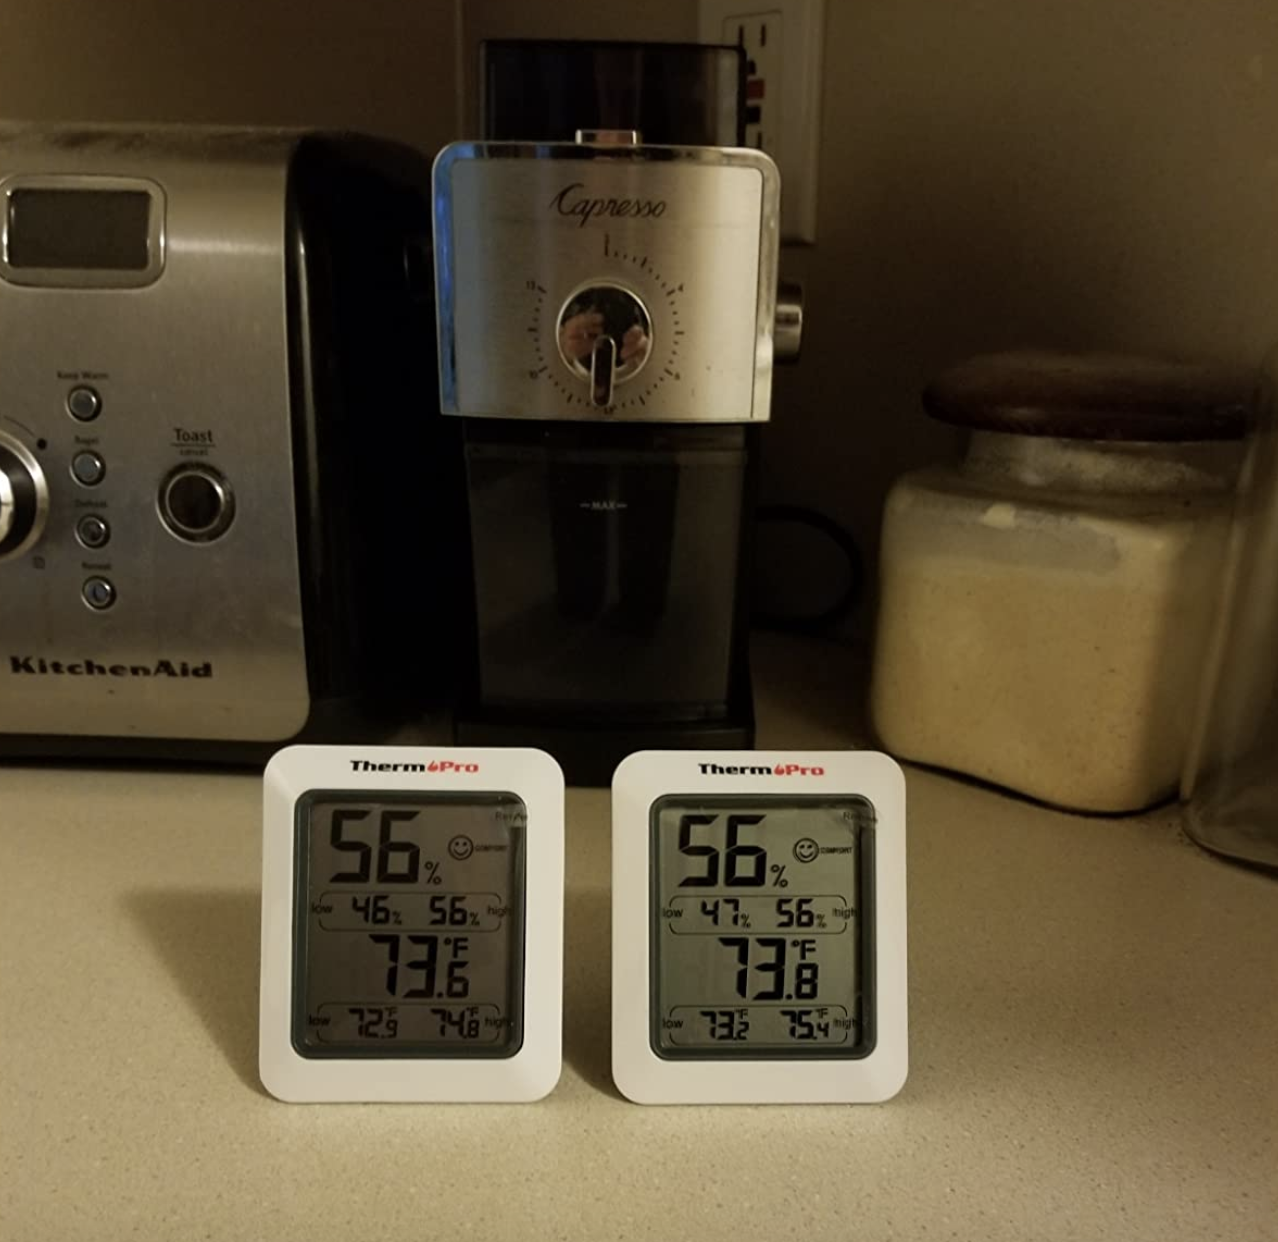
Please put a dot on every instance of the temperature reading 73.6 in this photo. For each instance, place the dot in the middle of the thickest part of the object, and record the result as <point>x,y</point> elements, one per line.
<point>423,975</point>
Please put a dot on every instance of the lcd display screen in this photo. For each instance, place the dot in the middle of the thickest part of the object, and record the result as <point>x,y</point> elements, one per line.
<point>761,916</point>
<point>409,925</point>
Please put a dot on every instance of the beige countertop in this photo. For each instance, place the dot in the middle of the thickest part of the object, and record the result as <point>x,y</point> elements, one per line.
<point>1094,1043</point>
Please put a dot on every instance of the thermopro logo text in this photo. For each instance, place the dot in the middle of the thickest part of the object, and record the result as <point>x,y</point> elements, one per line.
<point>781,769</point>
<point>435,765</point>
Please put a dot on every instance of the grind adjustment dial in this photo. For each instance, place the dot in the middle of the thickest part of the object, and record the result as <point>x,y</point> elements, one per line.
<point>604,333</point>
<point>24,498</point>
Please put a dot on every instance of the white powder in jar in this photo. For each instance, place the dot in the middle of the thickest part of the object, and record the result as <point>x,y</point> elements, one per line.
<point>1052,652</point>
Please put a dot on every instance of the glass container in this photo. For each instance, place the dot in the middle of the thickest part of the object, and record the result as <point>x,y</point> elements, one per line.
<point>1230,784</point>
<point>1046,603</point>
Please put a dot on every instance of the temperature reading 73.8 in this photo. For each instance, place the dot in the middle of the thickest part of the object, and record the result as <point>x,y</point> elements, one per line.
<point>769,960</point>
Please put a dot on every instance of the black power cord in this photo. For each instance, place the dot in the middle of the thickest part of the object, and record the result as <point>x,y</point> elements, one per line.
<point>816,622</point>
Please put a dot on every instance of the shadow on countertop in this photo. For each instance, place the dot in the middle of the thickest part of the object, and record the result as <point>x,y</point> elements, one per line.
<point>809,692</point>
<point>209,942</point>
<point>588,988</point>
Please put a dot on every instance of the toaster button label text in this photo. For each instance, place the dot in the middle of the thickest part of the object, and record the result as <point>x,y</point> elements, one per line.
<point>181,435</point>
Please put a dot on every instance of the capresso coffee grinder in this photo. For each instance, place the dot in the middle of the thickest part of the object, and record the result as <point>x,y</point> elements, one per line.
<point>607,292</point>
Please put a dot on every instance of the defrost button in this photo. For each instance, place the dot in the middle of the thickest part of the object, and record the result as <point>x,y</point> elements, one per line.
<point>93,531</point>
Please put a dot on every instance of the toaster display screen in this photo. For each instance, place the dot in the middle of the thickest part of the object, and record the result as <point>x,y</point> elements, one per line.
<point>410,925</point>
<point>81,230</point>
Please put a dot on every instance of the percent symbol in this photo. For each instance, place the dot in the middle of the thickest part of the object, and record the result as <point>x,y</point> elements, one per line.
<point>778,875</point>
<point>431,868</point>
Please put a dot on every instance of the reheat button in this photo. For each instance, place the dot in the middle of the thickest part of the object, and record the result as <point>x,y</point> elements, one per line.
<point>98,593</point>
<point>196,503</point>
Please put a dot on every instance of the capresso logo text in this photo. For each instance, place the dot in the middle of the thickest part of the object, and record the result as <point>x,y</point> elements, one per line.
<point>781,769</point>
<point>435,765</point>
<point>571,202</point>
<point>38,667</point>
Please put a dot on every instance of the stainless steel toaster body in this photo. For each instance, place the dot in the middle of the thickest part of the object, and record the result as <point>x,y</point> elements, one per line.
<point>216,391</point>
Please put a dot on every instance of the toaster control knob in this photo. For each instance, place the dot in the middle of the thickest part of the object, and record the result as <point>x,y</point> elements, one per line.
<point>605,337</point>
<point>196,503</point>
<point>24,498</point>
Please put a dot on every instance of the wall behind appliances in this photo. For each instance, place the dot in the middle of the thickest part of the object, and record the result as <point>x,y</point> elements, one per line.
<point>1020,172</point>
<point>1013,172</point>
<point>382,66</point>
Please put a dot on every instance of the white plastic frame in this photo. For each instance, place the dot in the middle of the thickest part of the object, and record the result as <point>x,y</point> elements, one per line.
<point>646,1078</point>
<point>530,1073</point>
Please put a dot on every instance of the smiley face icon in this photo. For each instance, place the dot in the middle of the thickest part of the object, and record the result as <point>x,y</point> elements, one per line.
<point>806,850</point>
<point>461,848</point>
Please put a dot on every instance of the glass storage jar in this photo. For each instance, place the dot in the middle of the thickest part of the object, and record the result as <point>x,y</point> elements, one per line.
<point>1045,604</point>
<point>1230,785</point>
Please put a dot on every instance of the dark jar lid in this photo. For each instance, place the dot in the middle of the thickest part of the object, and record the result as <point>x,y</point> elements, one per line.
<point>1093,397</point>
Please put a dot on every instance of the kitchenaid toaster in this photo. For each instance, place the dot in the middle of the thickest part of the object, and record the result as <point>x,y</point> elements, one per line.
<point>224,493</point>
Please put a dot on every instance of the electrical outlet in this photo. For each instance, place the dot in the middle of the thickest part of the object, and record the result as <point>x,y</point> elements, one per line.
<point>765,102</point>
<point>782,40</point>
